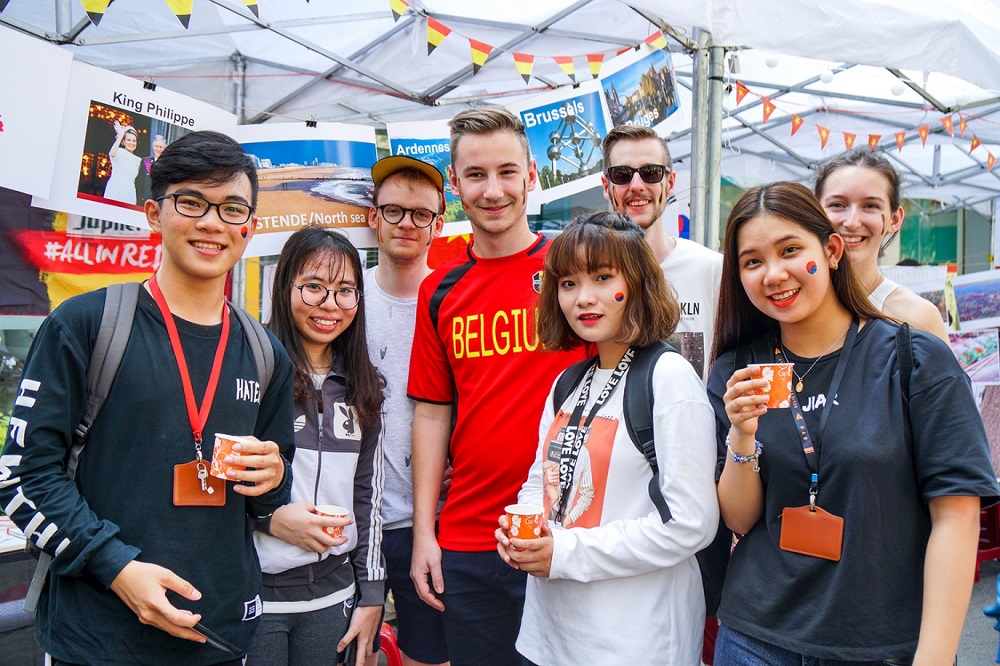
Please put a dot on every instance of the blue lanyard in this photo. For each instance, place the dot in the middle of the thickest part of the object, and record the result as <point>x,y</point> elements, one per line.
<point>809,447</point>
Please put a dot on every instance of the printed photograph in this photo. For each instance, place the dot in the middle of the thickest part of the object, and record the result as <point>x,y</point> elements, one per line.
<point>119,149</point>
<point>438,153</point>
<point>565,138</point>
<point>977,353</point>
<point>642,93</point>
<point>977,299</point>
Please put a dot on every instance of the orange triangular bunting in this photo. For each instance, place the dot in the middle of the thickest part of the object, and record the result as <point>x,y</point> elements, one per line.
<point>480,51</point>
<point>948,125</point>
<point>594,60</point>
<point>398,8</point>
<point>436,32</point>
<point>741,92</point>
<point>849,139</point>
<point>873,140</point>
<point>824,135</point>
<point>900,138</point>
<point>990,161</point>
<point>962,125</point>
<point>923,131</point>
<point>796,124</point>
<point>656,40</point>
<point>768,107</point>
<point>524,63</point>
<point>975,143</point>
<point>566,64</point>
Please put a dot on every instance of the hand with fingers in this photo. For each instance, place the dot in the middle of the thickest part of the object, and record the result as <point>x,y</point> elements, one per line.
<point>265,467</point>
<point>143,587</point>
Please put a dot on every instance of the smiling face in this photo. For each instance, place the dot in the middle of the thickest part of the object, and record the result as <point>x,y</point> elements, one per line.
<point>856,199</point>
<point>593,303</point>
<point>642,202</point>
<point>129,142</point>
<point>319,325</point>
<point>159,145</point>
<point>404,242</point>
<point>785,270</point>
<point>493,176</point>
<point>202,248</point>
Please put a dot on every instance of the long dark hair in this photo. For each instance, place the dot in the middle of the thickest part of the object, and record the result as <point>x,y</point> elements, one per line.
<point>364,382</point>
<point>738,321</point>
<point>608,240</point>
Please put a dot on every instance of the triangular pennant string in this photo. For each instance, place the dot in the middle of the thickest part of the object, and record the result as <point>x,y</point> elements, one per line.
<point>436,32</point>
<point>182,10</point>
<point>741,92</point>
<point>252,6</point>
<point>566,64</point>
<point>594,60</point>
<point>948,125</point>
<point>480,51</point>
<point>873,140</point>
<point>524,63</point>
<point>849,140</point>
<point>990,161</point>
<point>95,9</point>
<point>768,107</point>
<point>656,40</point>
<point>398,8</point>
<point>900,138</point>
<point>796,123</point>
<point>975,143</point>
<point>824,135</point>
<point>923,131</point>
<point>962,125</point>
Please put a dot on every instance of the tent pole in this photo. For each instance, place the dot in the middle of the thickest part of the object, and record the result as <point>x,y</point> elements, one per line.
<point>64,17</point>
<point>239,272</point>
<point>713,163</point>
<point>699,137</point>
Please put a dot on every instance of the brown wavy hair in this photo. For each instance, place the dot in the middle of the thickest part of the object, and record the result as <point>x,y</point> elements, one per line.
<point>607,240</point>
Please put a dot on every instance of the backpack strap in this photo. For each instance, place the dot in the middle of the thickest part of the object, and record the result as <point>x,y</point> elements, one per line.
<point>260,346</point>
<point>904,356</point>
<point>116,326</point>
<point>638,401</point>
<point>569,380</point>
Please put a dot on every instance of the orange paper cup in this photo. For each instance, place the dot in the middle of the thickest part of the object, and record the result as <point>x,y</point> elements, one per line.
<point>779,376</point>
<point>333,511</point>
<point>223,448</point>
<point>524,520</point>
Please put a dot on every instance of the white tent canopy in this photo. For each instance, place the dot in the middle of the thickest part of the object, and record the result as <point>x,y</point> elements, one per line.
<point>896,65</point>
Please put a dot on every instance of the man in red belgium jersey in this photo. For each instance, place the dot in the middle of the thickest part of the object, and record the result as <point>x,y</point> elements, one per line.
<point>476,357</point>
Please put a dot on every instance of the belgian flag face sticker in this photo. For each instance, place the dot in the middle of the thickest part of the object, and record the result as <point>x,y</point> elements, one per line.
<point>536,281</point>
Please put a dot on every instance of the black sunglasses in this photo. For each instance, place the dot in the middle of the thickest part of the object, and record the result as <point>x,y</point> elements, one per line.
<point>650,173</point>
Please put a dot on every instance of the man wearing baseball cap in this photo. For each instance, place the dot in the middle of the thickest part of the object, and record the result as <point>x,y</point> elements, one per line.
<point>407,214</point>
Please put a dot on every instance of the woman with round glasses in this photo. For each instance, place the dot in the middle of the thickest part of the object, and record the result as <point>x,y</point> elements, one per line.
<point>322,591</point>
<point>124,165</point>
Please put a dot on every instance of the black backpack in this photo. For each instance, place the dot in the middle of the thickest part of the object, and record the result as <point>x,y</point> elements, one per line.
<point>638,401</point>
<point>116,328</point>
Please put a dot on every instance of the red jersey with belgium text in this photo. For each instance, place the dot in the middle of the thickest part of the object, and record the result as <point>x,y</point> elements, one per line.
<point>476,344</point>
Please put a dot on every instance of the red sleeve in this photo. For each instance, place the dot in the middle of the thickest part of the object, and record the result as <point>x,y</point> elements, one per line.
<point>431,378</point>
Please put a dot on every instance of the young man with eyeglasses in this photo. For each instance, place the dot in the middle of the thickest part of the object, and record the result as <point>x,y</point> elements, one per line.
<point>145,547</point>
<point>476,356</point>
<point>406,215</point>
<point>639,181</point>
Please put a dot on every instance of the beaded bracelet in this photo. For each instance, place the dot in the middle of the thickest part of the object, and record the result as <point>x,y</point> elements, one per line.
<point>743,460</point>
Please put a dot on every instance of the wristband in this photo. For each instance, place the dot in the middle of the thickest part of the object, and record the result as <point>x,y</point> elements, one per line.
<point>743,460</point>
<point>262,524</point>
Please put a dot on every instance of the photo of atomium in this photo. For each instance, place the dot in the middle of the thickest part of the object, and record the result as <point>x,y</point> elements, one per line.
<point>565,139</point>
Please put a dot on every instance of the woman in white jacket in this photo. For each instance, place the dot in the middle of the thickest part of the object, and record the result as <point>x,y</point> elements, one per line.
<point>321,592</point>
<point>613,583</point>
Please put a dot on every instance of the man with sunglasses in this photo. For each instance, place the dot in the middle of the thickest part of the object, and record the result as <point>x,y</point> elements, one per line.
<point>406,214</point>
<point>144,546</point>
<point>639,182</point>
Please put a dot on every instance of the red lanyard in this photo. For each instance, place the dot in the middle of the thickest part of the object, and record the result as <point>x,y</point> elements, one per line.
<point>195,416</point>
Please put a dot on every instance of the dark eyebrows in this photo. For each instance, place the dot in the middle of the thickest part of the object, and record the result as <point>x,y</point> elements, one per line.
<point>778,241</point>
<point>195,192</point>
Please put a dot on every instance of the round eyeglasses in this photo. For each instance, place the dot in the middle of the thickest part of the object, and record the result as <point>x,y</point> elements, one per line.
<point>313,294</point>
<point>650,174</point>
<point>393,214</point>
<point>230,212</point>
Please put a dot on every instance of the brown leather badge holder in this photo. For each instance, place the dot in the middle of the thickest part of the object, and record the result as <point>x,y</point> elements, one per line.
<point>815,533</point>
<point>187,487</point>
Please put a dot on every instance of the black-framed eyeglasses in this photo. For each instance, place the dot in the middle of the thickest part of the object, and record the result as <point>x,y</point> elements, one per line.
<point>230,212</point>
<point>313,294</point>
<point>650,173</point>
<point>393,214</point>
